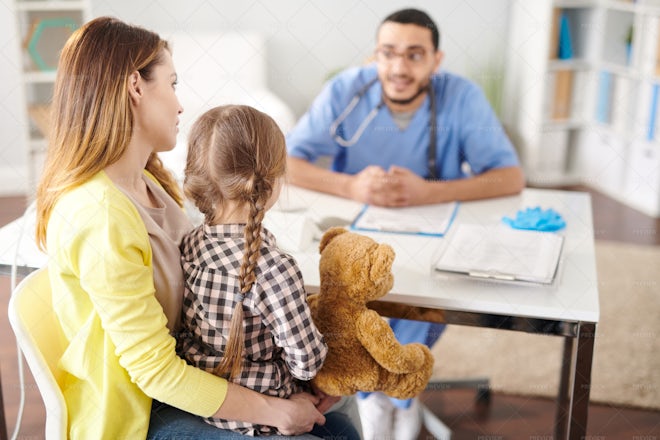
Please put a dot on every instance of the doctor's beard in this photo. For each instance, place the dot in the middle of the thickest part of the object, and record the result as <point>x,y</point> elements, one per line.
<point>422,89</point>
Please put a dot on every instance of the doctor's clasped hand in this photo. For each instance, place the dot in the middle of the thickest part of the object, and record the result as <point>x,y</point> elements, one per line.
<point>394,187</point>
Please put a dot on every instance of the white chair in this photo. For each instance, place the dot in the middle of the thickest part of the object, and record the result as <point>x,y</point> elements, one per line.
<point>41,340</point>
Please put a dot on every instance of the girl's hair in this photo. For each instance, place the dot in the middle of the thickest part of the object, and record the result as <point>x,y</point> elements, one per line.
<point>236,153</point>
<point>91,116</point>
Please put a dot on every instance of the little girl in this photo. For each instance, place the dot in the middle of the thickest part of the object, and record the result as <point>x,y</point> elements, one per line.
<point>245,314</point>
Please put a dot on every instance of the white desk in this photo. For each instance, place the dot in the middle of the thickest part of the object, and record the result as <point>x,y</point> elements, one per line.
<point>568,309</point>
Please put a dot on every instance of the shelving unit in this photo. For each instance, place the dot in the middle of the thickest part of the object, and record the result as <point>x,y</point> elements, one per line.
<point>43,28</point>
<point>583,95</point>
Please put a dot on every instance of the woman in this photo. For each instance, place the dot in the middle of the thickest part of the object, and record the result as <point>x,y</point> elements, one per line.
<point>110,218</point>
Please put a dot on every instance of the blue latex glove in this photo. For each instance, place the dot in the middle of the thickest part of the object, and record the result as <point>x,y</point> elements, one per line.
<point>536,219</point>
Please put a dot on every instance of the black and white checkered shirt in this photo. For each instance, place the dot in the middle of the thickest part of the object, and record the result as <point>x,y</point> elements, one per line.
<point>282,344</point>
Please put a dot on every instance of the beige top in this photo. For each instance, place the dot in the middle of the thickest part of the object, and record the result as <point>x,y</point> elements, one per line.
<point>166,225</point>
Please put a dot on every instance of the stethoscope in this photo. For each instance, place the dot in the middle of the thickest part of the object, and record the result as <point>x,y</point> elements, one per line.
<point>433,126</point>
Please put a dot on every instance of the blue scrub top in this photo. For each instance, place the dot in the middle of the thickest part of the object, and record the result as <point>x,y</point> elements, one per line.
<point>467,129</point>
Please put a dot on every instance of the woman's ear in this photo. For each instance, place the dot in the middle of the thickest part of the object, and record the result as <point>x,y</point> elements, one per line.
<point>135,87</point>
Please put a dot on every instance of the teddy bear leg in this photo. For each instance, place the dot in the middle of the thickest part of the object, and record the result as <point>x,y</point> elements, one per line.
<point>332,383</point>
<point>405,386</point>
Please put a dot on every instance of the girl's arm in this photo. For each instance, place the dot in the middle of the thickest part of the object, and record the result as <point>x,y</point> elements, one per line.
<point>284,309</point>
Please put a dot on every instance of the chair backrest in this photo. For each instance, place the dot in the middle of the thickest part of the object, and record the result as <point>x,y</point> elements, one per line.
<point>42,342</point>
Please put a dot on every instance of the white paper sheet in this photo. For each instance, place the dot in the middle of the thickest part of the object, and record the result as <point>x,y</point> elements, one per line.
<point>502,253</point>
<point>424,220</point>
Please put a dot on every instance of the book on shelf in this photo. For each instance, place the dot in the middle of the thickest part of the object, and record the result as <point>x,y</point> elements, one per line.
<point>565,51</point>
<point>621,105</point>
<point>646,121</point>
<point>657,55</point>
<point>652,133</point>
<point>554,34</point>
<point>561,42</point>
<point>579,103</point>
<point>563,89</point>
<point>649,55</point>
<point>548,95</point>
<point>604,97</point>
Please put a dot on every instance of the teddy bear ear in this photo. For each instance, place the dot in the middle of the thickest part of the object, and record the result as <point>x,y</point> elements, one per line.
<point>329,235</point>
<point>381,262</point>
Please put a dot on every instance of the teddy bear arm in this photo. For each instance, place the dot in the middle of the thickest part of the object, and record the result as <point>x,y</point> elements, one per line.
<point>312,301</point>
<point>378,339</point>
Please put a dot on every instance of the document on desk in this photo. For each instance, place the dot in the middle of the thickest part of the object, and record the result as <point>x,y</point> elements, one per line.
<point>502,253</point>
<point>431,220</point>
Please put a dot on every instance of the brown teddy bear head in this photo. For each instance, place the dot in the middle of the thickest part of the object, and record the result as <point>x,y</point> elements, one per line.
<point>354,266</point>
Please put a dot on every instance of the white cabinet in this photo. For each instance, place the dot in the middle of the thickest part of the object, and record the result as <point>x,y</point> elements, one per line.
<point>642,178</point>
<point>43,27</point>
<point>548,100</point>
<point>582,95</point>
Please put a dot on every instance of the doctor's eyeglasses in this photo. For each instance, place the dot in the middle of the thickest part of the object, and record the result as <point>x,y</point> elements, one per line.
<point>413,56</point>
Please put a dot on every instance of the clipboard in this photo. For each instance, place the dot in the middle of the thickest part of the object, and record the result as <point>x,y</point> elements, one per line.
<point>501,253</point>
<point>430,220</point>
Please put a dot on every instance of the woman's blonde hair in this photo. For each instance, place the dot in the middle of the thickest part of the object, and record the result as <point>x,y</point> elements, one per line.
<point>91,116</point>
<point>236,153</point>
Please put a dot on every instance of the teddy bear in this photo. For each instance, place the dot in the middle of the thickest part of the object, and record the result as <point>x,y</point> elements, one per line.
<point>363,353</point>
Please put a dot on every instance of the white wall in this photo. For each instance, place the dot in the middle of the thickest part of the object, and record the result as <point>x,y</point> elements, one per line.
<point>309,39</point>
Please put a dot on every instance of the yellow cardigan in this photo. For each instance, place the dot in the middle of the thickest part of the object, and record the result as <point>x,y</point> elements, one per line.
<point>120,353</point>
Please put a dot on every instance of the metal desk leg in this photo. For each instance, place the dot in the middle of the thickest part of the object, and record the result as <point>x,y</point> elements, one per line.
<point>575,384</point>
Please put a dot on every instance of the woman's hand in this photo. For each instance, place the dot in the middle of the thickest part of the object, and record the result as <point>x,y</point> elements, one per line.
<point>325,400</point>
<point>293,416</point>
<point>300,413</point>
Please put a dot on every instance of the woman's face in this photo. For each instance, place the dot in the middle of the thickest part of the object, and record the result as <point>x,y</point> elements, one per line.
<point>157,116</point>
